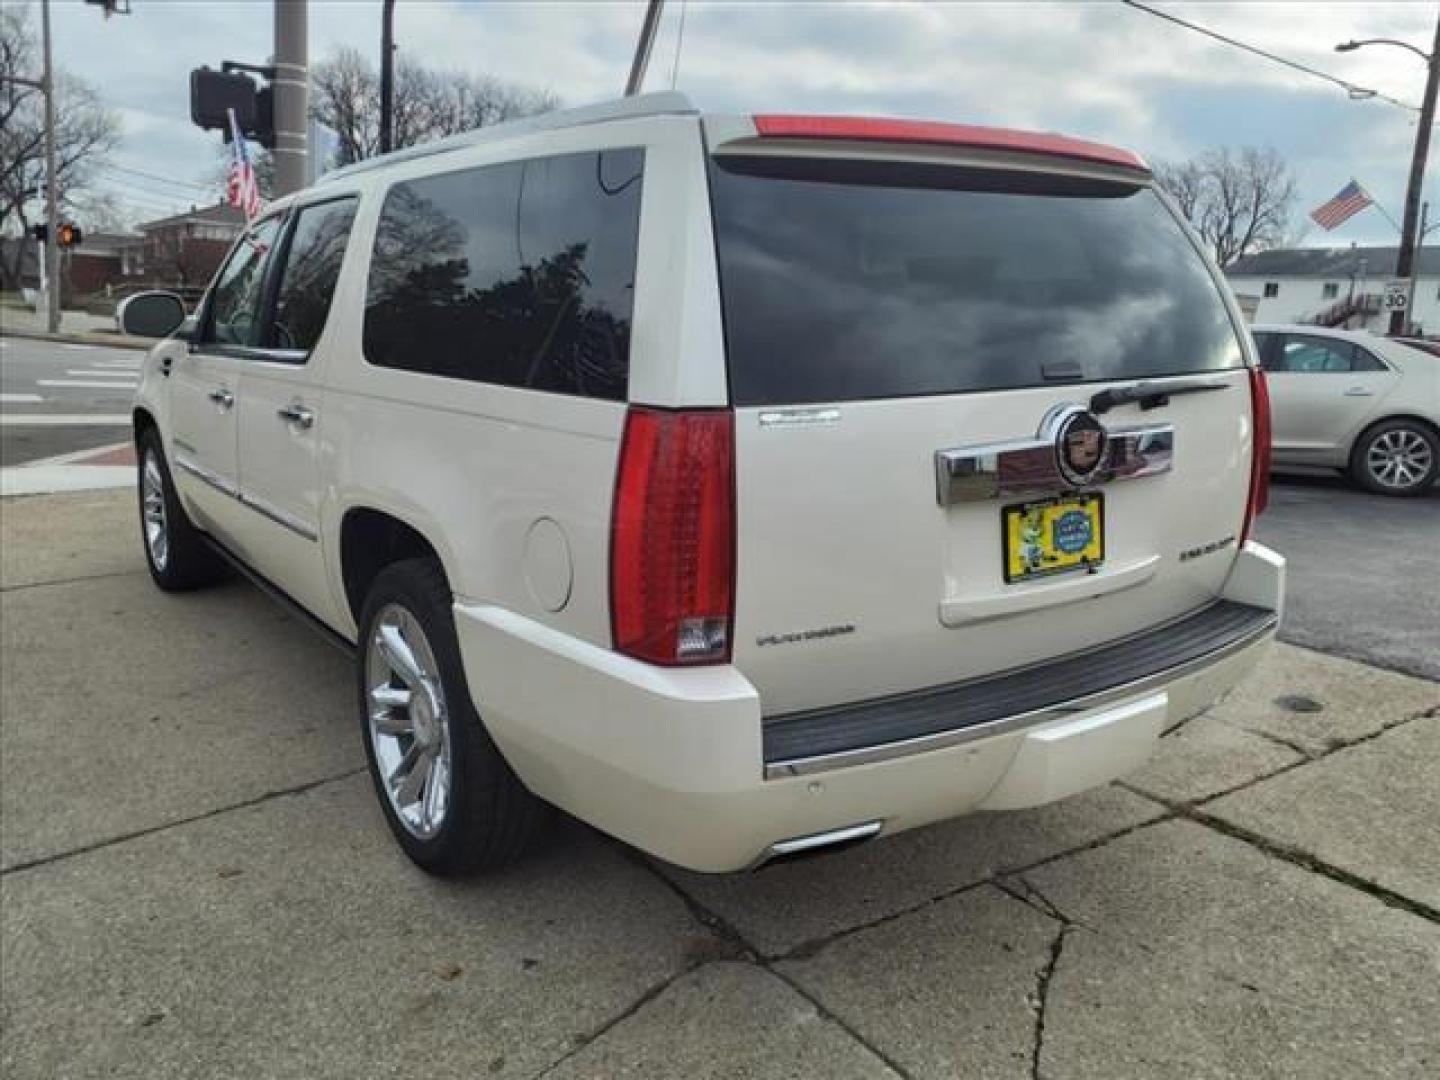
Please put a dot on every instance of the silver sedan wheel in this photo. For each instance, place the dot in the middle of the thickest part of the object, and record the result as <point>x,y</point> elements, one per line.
<point>1399,459</point>
<point>152,501</point>
<point>409,723</point>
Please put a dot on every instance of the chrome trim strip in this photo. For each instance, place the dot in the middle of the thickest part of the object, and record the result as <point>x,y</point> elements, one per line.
<point>201,473</point>
<point>264,509</point>
<point>280,517</point>
<point>863,831</point>
<point>1031,466</point>
<point>941,739</point>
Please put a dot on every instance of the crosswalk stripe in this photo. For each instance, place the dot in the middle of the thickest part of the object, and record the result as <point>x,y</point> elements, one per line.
<point>91,384</point>
<point>62,420</point>
<point>20,399</point>
<point>85,373</point>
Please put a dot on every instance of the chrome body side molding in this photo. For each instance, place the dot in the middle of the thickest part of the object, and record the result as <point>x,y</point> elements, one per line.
<point>264,509</point>
<point>207,476</point>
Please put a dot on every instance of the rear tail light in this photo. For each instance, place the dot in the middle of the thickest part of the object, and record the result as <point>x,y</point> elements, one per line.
<point>1260,454</point>
<point>672,543</point>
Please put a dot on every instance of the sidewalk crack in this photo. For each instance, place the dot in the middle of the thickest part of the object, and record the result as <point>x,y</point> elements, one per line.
<point>1040,997</point>
<point>100,845</point>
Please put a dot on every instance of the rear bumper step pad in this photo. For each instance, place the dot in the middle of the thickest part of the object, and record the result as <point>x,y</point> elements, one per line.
<point>820,739</point>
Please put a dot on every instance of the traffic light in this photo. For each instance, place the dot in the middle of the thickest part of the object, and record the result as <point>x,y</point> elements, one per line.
<point>112,7</point>
<point>215,94</point>
<point>40,232</point>
<point>69,235</point>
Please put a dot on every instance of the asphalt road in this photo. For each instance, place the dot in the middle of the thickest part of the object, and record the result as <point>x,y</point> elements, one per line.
<point>58,398</point>
<point>1364,570</point>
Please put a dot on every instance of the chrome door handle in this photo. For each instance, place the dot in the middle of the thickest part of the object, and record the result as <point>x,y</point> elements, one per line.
<point>298,415</point>
<point>1359,391</point>
<point>222,397</point>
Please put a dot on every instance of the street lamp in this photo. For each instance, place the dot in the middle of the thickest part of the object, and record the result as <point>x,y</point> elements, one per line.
<point>1405,261</point>
<point>1352,45</point>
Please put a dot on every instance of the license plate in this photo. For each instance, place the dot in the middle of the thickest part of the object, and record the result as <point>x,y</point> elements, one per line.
<point>1053,536</point>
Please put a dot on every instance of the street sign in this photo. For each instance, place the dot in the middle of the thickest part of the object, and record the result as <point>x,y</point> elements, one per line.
<point>1397,295</point>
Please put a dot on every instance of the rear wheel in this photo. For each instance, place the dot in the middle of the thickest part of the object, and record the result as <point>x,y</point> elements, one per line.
<point>1396,457</point>
<point>175,551</point>
<point>448,795</point>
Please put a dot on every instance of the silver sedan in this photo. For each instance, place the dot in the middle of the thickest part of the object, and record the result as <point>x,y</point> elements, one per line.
<point>1351,400</point>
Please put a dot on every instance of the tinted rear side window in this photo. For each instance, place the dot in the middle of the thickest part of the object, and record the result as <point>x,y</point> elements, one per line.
<point>520,274</point>
<point>847,281</point>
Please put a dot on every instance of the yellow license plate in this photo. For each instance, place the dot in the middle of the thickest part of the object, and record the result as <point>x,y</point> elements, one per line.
<point>1053,536</point>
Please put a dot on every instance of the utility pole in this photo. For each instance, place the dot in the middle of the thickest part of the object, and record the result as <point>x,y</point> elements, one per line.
<point>387,76</point>
<point>292,96</point>
<point>52,184</point>
<point>642,48</point>
<point>1409,230</point>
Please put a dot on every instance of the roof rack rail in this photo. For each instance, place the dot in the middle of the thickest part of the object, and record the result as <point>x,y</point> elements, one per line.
<point>669,103</point>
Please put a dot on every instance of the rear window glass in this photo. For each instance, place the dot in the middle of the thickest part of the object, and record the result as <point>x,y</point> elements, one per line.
<point>846,281</point>
<point>520,274</point>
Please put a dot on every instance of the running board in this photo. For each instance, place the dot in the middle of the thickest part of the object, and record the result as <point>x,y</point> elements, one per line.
<point>279,595</point>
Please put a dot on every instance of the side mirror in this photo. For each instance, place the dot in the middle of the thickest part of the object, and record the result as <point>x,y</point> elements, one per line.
<point>151,314</point>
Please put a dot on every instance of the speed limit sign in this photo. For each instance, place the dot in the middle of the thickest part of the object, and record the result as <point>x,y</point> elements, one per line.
<point>1397,295</point>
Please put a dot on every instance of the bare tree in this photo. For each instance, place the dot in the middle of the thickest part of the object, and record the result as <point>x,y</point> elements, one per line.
<point>85,131</point>
<point>428,104</point>
<point>1239,201</point>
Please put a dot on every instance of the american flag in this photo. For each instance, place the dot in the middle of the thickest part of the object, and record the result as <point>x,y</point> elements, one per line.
<point>1351,200</point>
<point>242,189</point>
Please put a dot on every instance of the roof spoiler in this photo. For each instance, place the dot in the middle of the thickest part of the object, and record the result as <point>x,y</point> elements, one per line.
<point>937,133</point>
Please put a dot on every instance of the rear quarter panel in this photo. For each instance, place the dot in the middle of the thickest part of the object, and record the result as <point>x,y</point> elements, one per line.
<point>473,466</point>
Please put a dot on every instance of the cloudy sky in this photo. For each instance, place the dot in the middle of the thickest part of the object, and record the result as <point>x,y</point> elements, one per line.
<point>1095,69</point>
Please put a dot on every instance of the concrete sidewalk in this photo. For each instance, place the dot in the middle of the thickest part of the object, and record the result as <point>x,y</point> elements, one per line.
<point>195,880</point>
<point>76,327</point>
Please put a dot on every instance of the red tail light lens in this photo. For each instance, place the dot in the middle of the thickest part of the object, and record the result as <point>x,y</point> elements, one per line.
<point>1260,455</point>
<point>672,543</point>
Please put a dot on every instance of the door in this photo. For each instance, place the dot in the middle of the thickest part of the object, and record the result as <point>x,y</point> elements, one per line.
<point>1322,389</point>
<point>204,384</point>
<point>280,406</point>
<point>943,466</point>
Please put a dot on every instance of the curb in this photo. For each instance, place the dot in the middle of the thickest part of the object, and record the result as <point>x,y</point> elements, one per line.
<point>95,469</point>
<point>114,341</point>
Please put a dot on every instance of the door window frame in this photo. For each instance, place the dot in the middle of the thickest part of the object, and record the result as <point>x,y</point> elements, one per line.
<point>205,323</point>
<point>276,273</point>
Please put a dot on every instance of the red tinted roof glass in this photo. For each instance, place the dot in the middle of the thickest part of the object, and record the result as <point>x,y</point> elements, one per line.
<point>873,129</point>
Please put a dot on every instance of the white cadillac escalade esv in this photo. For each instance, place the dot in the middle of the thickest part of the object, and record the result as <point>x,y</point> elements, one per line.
<point>739,485</point>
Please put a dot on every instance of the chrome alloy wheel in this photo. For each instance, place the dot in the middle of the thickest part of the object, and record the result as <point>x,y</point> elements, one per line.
<point>409,723</point>
<point>1399,459</point>
<point>152,496</point>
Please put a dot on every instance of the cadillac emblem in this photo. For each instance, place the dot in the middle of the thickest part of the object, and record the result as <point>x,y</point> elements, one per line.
<point>1080,445</point>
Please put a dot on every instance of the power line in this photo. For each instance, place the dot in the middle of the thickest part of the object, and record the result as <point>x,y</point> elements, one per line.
<point>153,176</point>
<point>1350,88</point>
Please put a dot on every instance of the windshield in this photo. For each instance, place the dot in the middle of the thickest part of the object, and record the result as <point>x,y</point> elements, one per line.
<point>847,280</point>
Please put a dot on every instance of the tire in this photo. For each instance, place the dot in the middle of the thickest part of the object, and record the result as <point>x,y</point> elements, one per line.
<point>1396,457</point>
<point>176,553</point>
<point>468,812</point>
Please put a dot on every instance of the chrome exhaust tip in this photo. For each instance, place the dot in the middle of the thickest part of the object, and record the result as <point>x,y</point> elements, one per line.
<point>815,843</point>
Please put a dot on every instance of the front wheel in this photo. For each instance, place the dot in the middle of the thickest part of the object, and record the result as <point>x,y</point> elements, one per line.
<point>1396,457</point>
<point>448,794</point>
<point>175,552</point>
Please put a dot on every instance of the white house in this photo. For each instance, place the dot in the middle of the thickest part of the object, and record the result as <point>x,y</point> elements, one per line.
<point>1334,286</point>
